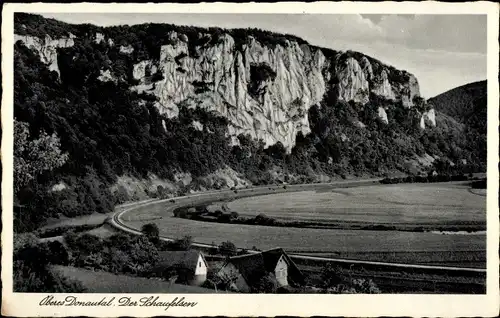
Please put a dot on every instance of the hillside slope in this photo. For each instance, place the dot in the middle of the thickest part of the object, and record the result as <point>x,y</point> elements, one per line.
<point>466,104</point>
<point>193,109</point>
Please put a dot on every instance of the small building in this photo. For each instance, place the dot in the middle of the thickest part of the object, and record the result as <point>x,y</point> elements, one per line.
<point>244,271</point>
<point>190,267</point>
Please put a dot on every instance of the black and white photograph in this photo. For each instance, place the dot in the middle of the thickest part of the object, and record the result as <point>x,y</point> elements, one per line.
<point>247,153</point>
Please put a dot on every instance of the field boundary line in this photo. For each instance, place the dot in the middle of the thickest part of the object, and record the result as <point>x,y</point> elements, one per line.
<point>117,222</point>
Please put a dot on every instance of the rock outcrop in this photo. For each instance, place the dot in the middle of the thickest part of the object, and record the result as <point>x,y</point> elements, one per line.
<point>264,90</point>
<point>353,84</point>
<point>99,37</point>
<point>367,68</point>
<point>126,49</point>
<point>409,90</point>
<point>429,118</point>
<point>46,47</point>
<point>106,76</point>
<point>382,114</point>
<point>382,87</point>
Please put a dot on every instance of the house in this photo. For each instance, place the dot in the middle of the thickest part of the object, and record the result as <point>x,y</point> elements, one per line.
<point>245,271</point>
<point>190,267</point>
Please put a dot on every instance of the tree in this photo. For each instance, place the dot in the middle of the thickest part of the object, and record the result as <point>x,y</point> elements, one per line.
<point>151,231</point>
<point>227,249</point>
<point>32,273</point>
<point>183,244</point>
<point>143,255</point>
<point>33,157</point>
<point>332,275</point>
<point>267,284</point>
<point>57,253</point>
<point>86,244</point>
<point>339,281</point>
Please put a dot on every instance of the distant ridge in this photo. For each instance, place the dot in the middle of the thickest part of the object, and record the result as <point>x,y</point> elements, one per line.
<point>466,104</point>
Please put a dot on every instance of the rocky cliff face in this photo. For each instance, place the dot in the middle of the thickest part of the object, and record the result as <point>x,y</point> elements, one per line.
<point>264,91</point>
<point>46,47</point>
<point>382,86</point>
<point>353,84</point>
<point>429,118</point>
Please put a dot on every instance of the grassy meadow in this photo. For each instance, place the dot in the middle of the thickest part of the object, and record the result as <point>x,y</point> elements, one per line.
<point>428,205</point>
<point>408,204</point>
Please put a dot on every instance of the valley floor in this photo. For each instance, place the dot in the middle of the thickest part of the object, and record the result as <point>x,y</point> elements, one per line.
<point>387,245</point>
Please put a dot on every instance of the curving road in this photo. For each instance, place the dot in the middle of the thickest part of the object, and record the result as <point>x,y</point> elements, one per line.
<point>119,220</point>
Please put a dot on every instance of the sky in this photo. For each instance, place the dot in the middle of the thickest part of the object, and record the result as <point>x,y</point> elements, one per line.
<point>442,51</point>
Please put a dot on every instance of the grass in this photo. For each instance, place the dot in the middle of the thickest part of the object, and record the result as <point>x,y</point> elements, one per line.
<point>103,231</point>
<point>84,220</point>
<point>431,206</point>
<point>390,281</point>
<point>95,219</point>
<point>361,244</point>
<point>472,259</point>
<point>103,282</point>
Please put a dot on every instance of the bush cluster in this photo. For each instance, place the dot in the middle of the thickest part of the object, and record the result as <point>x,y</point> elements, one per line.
<point>425,179</point>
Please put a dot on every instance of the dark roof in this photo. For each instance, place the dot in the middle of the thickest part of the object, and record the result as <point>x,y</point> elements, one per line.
<point>271,258</point>
<point>253,266</point>
<point>186,259</point>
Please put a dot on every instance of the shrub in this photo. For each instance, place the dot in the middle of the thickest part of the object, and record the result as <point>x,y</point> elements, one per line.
<point>31,271</point>
<point>182,244</point>
<point>339,281</point>
<point>57,253</point>
<point>263,219</point>
<point>267,284</point>
<point>224,218</point>
<point>87,244</point>
<point>42,281</point>
<point>201,209</point>
<point>181,213</point>
<point>143,254</point>
<point>160,192</point>
<point>227,249</point>
<point>119,261</point>
<point>24,240</point>
<point>234,215</point>
<point>151,231</point>
<point>364,286</point>
<point>121,195</point>
<point>332,275</point>
<point>119,241</point>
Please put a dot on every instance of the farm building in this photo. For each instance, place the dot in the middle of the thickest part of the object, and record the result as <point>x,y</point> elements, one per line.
<point>244,271</point>
<point>190,267</point>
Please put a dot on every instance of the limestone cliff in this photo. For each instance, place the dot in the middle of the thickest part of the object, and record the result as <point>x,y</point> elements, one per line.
<point>353,84</point>
<point>382,114</point>
<point>46,47</point>
<point>429,118</point>
<point>263,90</point>
<point>383,87</point>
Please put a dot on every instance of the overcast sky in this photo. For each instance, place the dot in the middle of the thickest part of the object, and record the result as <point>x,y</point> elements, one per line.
<point>443,51</point>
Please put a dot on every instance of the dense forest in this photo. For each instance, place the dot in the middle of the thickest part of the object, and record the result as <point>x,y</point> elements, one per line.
<point>80,131</point>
